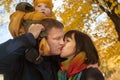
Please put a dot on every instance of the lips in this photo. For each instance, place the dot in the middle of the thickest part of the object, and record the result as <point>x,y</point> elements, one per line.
<point>61,47</point>
<point>43,12</point>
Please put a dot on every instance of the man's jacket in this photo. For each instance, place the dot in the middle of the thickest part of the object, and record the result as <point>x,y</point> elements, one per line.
<point>15,66</point>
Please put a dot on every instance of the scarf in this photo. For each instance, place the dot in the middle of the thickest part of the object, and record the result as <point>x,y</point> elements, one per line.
<point>71,69</point>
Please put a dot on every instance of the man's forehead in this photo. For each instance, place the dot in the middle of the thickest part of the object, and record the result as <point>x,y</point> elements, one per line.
<point>54,29</point>
<point>55,32</point>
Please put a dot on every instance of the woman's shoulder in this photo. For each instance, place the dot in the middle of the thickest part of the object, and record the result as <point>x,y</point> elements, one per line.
<point>91,69</point>
<point>92,74</point>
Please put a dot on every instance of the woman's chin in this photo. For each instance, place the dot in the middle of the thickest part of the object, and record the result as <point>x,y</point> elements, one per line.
<point>61,56</point>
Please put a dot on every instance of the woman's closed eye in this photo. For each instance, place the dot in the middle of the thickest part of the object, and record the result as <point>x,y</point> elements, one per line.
<point>67,40</point>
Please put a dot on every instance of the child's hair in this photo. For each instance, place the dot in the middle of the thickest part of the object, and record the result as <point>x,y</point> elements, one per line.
<point>48,2</point>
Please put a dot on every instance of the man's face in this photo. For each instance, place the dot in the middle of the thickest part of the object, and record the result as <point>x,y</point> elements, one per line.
<point>55,40</point>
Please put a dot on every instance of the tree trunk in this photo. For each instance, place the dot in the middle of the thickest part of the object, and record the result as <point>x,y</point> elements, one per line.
<point>114,18</point>
<point>116,21</point>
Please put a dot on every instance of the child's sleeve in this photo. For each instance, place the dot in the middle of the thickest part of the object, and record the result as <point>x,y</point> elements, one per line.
<point>25,6</point>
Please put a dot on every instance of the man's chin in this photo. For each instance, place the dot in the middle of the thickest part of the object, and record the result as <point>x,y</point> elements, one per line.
<point>57,54</point>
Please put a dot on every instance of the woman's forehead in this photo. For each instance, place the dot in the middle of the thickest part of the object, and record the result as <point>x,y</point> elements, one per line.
<point>70,37</point>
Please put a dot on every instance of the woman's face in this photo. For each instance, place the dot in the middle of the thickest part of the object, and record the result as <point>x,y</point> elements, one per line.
<point>69,48</point>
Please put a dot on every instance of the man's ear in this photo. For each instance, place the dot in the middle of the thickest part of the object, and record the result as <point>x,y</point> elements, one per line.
<point>42,35</point>
<point>44,48</point>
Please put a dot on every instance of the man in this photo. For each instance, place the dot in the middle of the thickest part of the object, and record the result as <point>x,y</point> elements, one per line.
<point>16,66</point>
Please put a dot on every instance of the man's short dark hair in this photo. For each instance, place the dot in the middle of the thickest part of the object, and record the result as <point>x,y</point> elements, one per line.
<point>49,23</point>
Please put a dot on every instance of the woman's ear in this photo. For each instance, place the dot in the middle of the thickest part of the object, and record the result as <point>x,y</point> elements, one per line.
<point>44,48</point>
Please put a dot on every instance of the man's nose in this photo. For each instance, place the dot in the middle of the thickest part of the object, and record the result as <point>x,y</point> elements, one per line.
<point>62,42</point>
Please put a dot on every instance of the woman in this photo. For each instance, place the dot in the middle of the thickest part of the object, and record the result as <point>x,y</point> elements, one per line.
<point>81,54</point>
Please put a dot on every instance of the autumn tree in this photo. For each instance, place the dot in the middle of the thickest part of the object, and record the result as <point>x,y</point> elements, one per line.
<point>108,47</point>
<point>79,15</point>
<point>112,8</point>
<point>6,4</point>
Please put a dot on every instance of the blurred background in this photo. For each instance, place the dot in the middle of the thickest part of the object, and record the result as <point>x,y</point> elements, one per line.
<point>100,19</point>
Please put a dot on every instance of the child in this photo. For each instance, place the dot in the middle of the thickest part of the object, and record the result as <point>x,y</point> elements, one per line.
<point>25,15</point>
<point>44,6</point>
